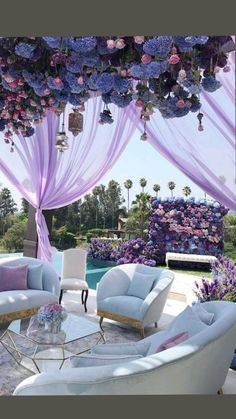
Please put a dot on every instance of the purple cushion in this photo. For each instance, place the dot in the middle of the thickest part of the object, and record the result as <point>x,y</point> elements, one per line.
<point>174,340</point>
<point>13,278</point>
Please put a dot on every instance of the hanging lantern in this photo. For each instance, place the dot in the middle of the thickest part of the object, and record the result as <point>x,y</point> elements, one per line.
<point>199,117</point>
<point>75,122</point>
<point>61,142</point>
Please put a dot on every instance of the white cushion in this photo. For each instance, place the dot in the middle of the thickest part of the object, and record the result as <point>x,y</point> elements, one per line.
<point>203,314</point>
<point>73,284</point>
<point>91,360</point>
<point>16,300</point>
<point>141,285</point>
<point>132,348</point>
<point>187,321</point>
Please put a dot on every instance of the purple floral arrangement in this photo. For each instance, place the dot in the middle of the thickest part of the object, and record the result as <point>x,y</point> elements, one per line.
<point>222,285</point>
<point>188,225</point>
<point>163,72</point>
<point>51,313</point>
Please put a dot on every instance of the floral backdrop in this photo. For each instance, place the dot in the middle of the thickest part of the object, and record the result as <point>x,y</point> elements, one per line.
<point>176,225</point>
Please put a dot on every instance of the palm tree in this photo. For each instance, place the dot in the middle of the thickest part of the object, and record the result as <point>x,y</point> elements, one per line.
<point>143,183</point>
<point>156,188</point>
<point>128,185</point>
<point>171,185</point>
<point>186,190</point>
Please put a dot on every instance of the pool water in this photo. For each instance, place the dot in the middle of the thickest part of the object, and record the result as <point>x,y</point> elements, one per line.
<point>95,268</point>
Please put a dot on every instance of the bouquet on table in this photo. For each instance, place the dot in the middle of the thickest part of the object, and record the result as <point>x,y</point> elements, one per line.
<point>51,313</point>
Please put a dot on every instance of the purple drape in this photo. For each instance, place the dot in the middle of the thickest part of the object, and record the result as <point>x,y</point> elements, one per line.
<point>49,179</point>
<point>208,158</point>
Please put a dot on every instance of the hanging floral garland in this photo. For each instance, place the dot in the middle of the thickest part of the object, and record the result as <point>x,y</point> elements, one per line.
<point>164,72</point>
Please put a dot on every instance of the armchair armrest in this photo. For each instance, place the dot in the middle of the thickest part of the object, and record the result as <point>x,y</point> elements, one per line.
<point>114,282</point>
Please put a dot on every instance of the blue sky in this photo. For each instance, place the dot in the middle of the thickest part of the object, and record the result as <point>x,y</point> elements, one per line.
<point>138,160</point>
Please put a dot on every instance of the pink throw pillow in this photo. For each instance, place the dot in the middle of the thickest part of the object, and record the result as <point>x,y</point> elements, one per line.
<point>13,277</point>
<point>174,340</point>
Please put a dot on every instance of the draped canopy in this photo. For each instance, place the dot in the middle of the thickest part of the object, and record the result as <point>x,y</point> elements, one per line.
<point>48,179</point>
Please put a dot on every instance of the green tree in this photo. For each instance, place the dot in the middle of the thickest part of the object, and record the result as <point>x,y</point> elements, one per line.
<point>186,190</point>
<point>128,185</point>
<point>7,208</point>
<point>139,217</point>
<point>24,206</point>
<point>143,183</point>
<point>171,185</point>
<point>96,192</point>
<point>14,237</point>
<point>63,239</point>
<point>114,200</point>
<point>156,188</point>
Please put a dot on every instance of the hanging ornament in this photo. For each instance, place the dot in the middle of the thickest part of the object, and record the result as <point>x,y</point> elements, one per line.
<point>199,117</point>
<point>75,122</point>
<point>144,136</point>
<point>61,138</point>
<point>12,147</point>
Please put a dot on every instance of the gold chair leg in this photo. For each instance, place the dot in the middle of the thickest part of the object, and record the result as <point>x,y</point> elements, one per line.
<point>100,322</point>
<point>142,332</point>
<point>156,325</point>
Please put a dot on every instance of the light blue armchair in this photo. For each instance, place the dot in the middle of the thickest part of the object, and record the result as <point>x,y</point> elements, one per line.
<point>134,294</point>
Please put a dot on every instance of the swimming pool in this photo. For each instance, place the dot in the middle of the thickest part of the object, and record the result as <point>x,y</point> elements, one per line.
<point>95,268</point>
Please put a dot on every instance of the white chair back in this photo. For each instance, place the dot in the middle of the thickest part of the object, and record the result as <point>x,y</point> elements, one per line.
<point>74,264</point>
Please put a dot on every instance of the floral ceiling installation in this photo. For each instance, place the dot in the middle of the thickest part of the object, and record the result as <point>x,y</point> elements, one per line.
<point>163,72</point>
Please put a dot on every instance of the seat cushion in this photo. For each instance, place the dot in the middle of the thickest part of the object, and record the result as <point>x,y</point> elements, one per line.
<point>91,360</point>
<point>35,277</point>
<point>124,305</point>
<point>127,348</point>
<point>11,301</point>
<point>73,284</point>
<point>141,285</point>
<point>187,321</point>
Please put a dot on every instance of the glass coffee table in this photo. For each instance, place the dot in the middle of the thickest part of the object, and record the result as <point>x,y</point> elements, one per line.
<point>39,350</point>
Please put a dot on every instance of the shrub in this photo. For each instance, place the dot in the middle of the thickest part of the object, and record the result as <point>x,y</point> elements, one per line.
<point>62,239</point>
<point>14,237</point>
<point>222,285</point>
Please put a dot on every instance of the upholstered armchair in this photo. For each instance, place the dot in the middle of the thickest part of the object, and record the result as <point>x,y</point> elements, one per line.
<point>133,294</point>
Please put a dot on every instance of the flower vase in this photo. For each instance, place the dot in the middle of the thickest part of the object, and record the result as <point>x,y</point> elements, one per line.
<point>48,326</point>
<point>56,327</point>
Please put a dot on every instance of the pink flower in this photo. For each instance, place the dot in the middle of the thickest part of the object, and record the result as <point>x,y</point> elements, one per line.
<point>57,80</point>
<point>182,75</point>
<point>47,91</point>
<point>216,69</point>
<point>111,44</point>
<point>146,58</point>
<point>139,39</point>
<point>174,59</point>
<point>180,104</point>
<point>20,82</point>
<point>80,80</point>
<point>120,43</point>
<point>139,103</point>
<point>123,72</point>
<point>174,50</point>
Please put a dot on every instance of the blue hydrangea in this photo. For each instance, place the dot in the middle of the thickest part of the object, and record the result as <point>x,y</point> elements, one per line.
<point>195,106</point>
<point>103,50</point>
<point>8,87</point>
<point>158,46</point>
<point>121,100</point>
<point>139,71</point>
<point>83,44</point>
<point>155,68</point>
<point>91,59</point>
<point>74,64</point>
<point>53,41</point>
<point>29,132</point>
<point>92,81</point>
<point>75,99</point>
<point>106,117</point>
<point>210,84</point>
<point>186,43</point>
<point>193,40</point>
<point>106,97</point>
<point>72,80</point>
<point>40,90</point>
<point>35,80</point>
<point>25,50</point>
<point>121,84</point>
<point>105,82</point>
<point>193,88</point>
<point>54,86</point>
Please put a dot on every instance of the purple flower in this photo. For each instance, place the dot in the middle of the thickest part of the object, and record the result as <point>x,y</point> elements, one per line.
<point>105,82</point>
<point>53,41</point>
<point>210,84</point>
<point>121,84</point>
<point>83,44</point>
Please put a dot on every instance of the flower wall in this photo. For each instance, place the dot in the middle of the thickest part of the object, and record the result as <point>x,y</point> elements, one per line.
<point>187,226</point>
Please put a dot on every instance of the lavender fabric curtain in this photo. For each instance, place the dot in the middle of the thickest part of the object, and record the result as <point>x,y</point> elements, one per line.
<point>49,179</point>
<point>208,157</point>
